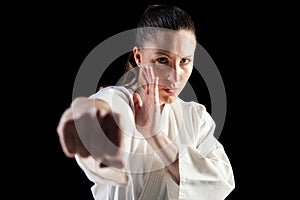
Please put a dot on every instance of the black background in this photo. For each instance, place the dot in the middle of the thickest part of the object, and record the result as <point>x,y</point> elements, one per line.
<point>47,44</point>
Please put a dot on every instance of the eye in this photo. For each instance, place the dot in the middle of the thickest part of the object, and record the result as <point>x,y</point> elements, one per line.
<point>185,61</point>
<point>162,60</point>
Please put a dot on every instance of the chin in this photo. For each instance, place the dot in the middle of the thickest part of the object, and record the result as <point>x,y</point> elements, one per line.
<point>168,99</point>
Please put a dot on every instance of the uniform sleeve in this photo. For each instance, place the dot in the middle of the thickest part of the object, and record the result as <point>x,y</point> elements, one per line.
<point>119,100</point>
<point>99,175</point>
<point>205,170</point>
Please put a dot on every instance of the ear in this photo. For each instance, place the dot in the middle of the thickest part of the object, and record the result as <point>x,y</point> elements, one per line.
<point>137,56</point>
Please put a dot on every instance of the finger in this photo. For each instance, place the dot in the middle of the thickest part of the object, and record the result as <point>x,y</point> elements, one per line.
<point>70,142</point>
<point>145,77</point>
<point>137,100</point>
<point>65,133</point>
<point>80,149</point>
<point>145,73</point>
<point>152,82</point>
<point>66,116</point>
<point>151,73</point>
<point>67,139</point>
<point>156,94</point>
<point>112,131</point>
<point>150,78</point>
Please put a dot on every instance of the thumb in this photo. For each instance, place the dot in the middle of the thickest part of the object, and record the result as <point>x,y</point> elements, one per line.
<point>137,100</point>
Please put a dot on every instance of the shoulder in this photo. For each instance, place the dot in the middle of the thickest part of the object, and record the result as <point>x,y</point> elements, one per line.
<point>196,114</point>
<point>192,107</point>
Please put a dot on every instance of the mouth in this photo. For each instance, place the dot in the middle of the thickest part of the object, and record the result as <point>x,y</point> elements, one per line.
<point>170,90</point>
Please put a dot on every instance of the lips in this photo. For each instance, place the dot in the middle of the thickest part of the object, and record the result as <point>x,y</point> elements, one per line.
<point>170,90</point>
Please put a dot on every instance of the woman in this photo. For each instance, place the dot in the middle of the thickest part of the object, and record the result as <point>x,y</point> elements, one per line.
<point>139,140</point>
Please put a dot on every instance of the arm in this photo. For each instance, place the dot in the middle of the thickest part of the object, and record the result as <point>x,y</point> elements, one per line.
<point>168,153</point>
<point>202,169</point>
<point>148,122</point>
<point>205,170</point>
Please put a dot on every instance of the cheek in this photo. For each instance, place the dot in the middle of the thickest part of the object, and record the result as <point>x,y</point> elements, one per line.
<point>161,72</point>
<point>161,75</point>
<point>186,76</point>
<point>186,73</point>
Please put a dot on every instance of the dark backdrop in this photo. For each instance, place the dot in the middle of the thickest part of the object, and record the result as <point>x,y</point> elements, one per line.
<point>52,40</point>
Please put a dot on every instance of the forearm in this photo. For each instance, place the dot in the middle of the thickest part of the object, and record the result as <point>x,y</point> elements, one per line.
<point>168,152</point>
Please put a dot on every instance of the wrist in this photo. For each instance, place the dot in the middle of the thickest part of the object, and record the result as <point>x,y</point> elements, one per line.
<point>158,141</point>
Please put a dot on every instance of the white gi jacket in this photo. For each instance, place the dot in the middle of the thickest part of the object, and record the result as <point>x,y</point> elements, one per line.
<point>205,170</point>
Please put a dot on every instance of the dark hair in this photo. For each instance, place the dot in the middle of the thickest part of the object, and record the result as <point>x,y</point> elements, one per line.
<point>163,16</point>
<point>159,16</point>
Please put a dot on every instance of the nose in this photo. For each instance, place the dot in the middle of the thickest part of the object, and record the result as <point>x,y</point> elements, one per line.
<point>174,72</point>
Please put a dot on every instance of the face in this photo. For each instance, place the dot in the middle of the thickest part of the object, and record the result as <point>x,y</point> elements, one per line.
<point>171,56</point>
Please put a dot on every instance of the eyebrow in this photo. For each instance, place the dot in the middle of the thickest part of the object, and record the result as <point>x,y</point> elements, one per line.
<point>166,54</point>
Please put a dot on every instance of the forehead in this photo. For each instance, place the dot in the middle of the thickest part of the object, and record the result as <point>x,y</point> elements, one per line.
<point>182,43</point>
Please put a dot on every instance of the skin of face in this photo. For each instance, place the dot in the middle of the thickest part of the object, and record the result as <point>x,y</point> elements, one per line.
<point>170,54</point>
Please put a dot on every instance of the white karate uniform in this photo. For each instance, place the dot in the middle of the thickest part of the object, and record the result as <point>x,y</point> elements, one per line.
<point>205,170</point>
